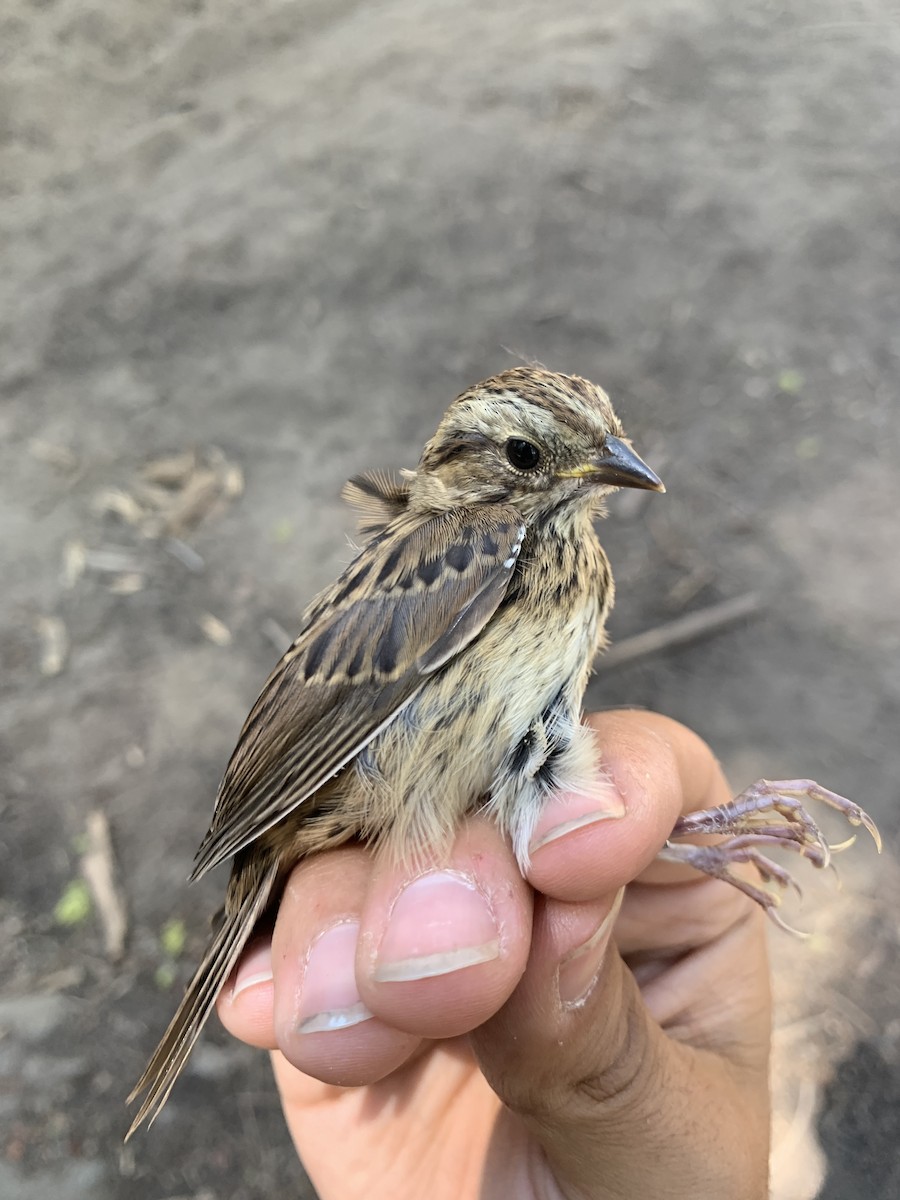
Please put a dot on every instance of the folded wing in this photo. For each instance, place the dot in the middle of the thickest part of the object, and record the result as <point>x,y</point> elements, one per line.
<point>415,597</point>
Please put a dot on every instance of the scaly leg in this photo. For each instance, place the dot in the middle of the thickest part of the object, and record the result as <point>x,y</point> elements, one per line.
<point>750,823</point>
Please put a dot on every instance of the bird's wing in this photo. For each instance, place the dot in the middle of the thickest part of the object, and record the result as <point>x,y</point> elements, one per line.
<point>414,598</point>
<point>378,498</point>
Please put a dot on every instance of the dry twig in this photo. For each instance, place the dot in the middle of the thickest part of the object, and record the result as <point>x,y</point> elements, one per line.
<point>681,632</point>
<point>98,869</point>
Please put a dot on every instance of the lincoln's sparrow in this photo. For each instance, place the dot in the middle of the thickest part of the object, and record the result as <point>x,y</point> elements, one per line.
<point>445,669</point>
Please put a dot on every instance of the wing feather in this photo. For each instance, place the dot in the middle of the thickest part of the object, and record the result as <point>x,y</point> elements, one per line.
<point>378,498</point>
<point>413,599</point>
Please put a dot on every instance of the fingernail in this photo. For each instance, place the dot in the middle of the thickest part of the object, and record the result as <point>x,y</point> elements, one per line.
<point>440,923</point>
<point>329,997</point>
<point>569,811</point>
<point>256,967</point>
<point>578,971</point>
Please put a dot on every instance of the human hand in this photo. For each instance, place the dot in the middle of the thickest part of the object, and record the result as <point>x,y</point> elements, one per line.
<point>456,1034</point>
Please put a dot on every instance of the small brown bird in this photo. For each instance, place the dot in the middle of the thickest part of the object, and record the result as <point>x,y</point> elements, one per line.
<point>445,669</point>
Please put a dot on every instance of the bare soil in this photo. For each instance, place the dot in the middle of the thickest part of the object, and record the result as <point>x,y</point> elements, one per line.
<point>277,239</point>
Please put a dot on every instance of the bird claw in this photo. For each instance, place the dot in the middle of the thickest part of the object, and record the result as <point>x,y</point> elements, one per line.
<point>768,814</point>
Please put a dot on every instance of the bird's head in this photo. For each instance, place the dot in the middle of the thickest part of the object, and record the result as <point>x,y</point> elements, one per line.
<point>528,437</point>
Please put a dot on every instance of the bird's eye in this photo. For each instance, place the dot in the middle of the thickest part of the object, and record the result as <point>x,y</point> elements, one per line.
<point>522,455</point>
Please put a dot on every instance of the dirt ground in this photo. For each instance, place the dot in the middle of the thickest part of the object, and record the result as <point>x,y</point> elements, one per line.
<point>259,247</point>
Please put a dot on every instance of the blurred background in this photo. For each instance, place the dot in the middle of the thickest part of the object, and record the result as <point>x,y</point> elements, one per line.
<point>251,249</point>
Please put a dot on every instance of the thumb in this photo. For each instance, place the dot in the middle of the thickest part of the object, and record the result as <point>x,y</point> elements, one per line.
<point>618,1108</point>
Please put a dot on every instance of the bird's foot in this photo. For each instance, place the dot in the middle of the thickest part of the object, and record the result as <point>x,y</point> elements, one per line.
<point>769,814</point>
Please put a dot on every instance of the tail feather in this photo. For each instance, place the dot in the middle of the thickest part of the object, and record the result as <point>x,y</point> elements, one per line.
<point>177,1042</point>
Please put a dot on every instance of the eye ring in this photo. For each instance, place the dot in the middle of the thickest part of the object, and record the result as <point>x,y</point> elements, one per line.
<point>522,454</point>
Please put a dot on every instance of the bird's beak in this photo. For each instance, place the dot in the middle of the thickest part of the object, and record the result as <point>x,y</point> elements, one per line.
<point>617,465</point>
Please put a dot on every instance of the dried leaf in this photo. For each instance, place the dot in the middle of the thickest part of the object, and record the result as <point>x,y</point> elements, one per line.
<point>214,629</point>
<point>232,481</point>
<point>63,979</point>
<point>170,495</point>
<point>127,585</point>
<point>74,562</point>
<point>172,470</point>
<point>119,503</point>
<point>194,501</point>
<point>153,496</point>
<point>54,644</point>
<point>54,455</point>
